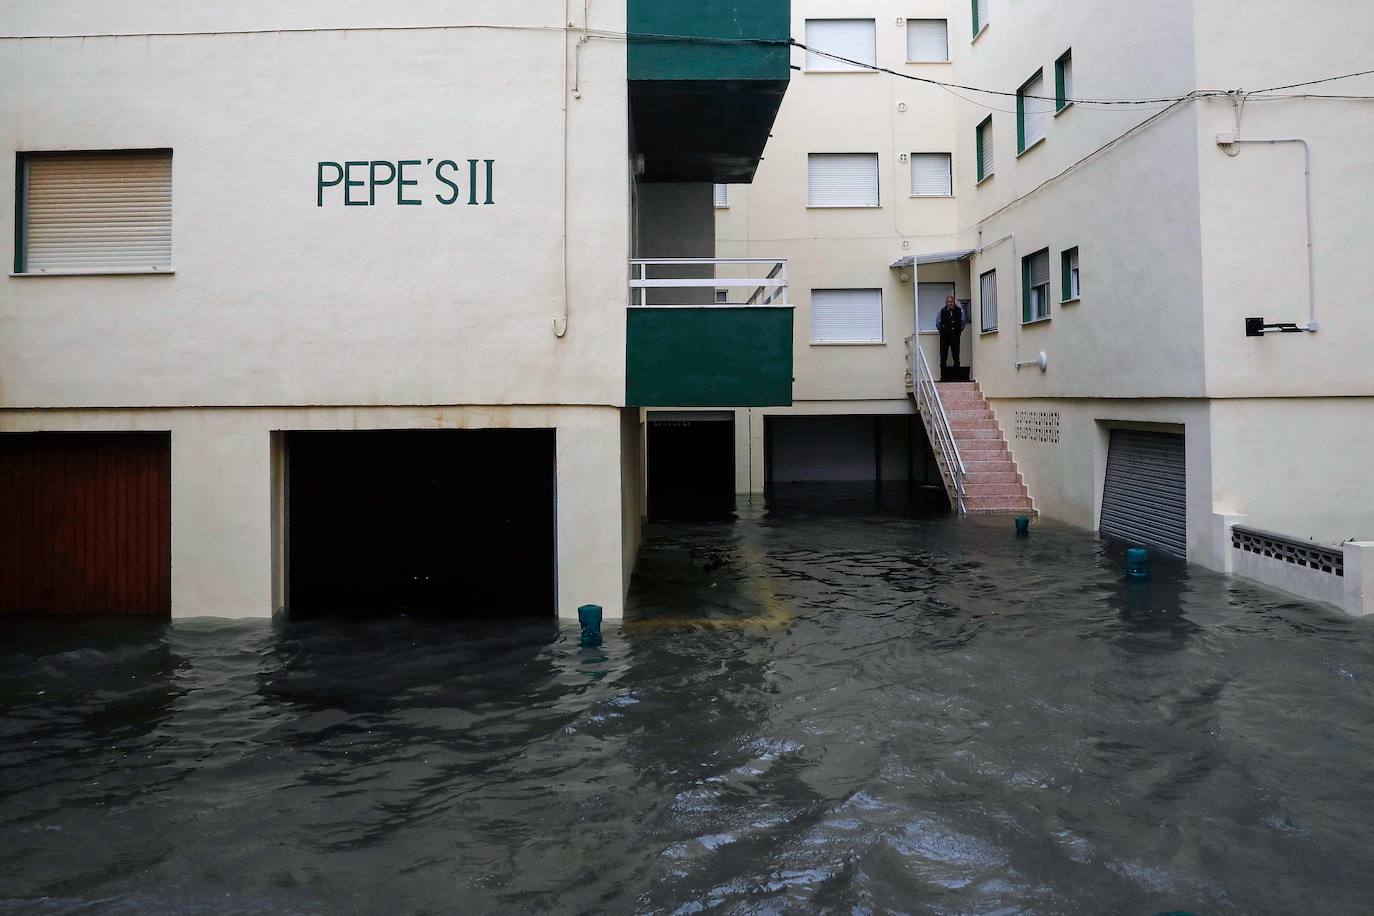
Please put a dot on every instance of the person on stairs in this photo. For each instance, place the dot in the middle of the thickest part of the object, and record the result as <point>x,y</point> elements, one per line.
<point>950,324</point>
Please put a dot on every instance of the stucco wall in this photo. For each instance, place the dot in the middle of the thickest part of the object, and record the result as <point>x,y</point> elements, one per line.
<point>278,301</point>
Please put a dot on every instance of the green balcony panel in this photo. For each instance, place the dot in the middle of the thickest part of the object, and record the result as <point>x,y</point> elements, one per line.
<point>714,356</point>
<point>706,81</point>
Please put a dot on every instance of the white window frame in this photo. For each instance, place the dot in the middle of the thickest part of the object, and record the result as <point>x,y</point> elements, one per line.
<point>850,341</point>
<point>1074,291</point>
<point>926,60</point>
<point>811,197</point>
<point>1038,293</point>
<point>817,63</point>
<point>949,174</point>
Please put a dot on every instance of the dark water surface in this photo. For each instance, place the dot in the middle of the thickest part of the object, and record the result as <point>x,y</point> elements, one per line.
<point>889,713</point>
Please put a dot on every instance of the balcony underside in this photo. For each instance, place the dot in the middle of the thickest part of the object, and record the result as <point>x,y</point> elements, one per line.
<point>709,356</point>
<point>703,130</point>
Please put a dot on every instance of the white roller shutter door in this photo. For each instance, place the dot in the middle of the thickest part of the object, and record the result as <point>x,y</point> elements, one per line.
<point>846,316</point>
<point>852,39</point>
<point>98,212</point>
<point>930,298</point>
<point>1144,498</point>
<point>843,180</point>
<point>927,40</point>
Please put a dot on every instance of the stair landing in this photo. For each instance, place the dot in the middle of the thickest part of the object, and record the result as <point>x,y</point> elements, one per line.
<point>992,485</point>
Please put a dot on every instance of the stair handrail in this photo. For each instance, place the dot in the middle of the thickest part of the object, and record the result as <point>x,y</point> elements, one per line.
<point>941,434</point>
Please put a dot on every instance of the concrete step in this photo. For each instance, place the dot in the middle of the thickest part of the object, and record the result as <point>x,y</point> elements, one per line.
<point>960,423</point>
<point>972,413</point>
<point>980,490</point>
<point>998,503</point>
<point>964,434</point>
<point>978,478</point>
<point>983,445</point>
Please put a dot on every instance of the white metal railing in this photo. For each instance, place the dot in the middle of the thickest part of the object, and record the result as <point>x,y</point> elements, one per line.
<point>928,402</point>
<point>701,282</point>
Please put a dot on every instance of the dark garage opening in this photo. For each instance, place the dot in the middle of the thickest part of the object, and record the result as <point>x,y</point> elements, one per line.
<point>456,524</point>
<point>86,524</point>
<point>691,466</point>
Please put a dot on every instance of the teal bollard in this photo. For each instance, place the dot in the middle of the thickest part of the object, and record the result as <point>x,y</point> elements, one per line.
<point>589,616</point>
<point>1138,563</point>
<point>1022,526</point>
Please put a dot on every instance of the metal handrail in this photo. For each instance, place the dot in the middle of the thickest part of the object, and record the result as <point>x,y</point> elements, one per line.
<point>767,291</point>
<point>942,436</point>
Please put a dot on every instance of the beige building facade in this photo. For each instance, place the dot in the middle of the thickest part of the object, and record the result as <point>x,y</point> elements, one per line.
<point>237,227</point>
<point>1154,232</point>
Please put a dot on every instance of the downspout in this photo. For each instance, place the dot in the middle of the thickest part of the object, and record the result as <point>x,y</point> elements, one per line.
<point>560,323</point>
<point>1228,142</point>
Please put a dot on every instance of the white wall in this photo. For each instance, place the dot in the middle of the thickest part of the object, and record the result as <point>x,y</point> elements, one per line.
<point>276,301</point>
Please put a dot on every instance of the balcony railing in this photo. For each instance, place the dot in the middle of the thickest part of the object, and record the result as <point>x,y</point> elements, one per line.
<point>699,282</point>
<point>708,332</point>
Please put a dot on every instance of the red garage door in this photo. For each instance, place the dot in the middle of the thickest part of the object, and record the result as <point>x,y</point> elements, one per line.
<point>85,523</point>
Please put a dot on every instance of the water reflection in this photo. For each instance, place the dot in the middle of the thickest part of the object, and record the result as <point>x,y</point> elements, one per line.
<point>833,701</point>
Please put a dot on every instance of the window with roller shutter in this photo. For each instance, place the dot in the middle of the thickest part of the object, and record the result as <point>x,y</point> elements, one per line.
<point>1032,112</point>
<point>927,41</point>
<point>932,175</point>
<point>846,316</point>
<point>852,39</point>
<point>96,212</point>
<point>842,180</point>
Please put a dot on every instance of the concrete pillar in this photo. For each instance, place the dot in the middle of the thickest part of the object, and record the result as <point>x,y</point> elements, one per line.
<point>1219,542</point>
<point>591,566</point>
<point>749,465</point>
<point>221,516</point>
<point>1359,578</point>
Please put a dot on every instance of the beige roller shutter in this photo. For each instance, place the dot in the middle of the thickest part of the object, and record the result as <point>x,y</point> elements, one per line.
<point>846,316</point>
<point>843,180</point>
<point>97,212</point>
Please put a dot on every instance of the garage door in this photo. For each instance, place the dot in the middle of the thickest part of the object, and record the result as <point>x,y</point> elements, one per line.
<point>458,524</point>
<point>85,523</point>
<point>823,449</point>
<point>1144,500</point>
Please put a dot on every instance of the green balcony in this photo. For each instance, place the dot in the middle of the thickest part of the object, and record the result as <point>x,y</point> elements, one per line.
<point>702,333</point>
<point>706,80</point>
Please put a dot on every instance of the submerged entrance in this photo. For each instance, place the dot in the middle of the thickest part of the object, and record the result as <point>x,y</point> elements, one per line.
<point>691,465</point>
<point>451,523</point>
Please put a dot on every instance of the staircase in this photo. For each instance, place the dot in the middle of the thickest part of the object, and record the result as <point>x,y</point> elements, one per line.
<point>992,485</point>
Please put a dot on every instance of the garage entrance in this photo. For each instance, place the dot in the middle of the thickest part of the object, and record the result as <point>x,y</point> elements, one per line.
<point>847,449</point>
<point>452,523</point>
<point>691,465</point>
<point>85,523</point>
<point>1145,494</point>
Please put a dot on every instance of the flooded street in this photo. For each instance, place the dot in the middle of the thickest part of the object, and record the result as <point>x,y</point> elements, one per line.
<point>838,705</point>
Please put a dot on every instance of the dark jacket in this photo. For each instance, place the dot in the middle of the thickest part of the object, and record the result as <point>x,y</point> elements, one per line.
<point>950,322</point>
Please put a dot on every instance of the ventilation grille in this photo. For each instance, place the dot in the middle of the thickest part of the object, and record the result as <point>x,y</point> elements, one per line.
<point>1300,553</point>
<point>1038,426</point>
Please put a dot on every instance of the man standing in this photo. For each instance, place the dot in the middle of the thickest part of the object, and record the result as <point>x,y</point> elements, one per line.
<point>950,324</point>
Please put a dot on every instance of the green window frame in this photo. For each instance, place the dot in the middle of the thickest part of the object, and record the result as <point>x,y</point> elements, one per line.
<point>980,16</point>
<point>1021,110</point>
<point>1070,280</point>
<point>1063,81</point>
<point>1035,286</point>
<point>983,141</point>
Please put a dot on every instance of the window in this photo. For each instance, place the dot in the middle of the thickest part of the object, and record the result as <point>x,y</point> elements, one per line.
<point>985,159</point>
<point>1032,112</point>
<point>852,39</point>
<point>94,212</point>
<point>927,41</point>
<point>930,298</point>
<point>980,16</point>
<point>1035,286</point>
<point>987,297</point>
<point>1063,81</point>
<point>846,316</point>
<point>1068,264</point>
<point>722,297</point>
<point>932,175</point>
<point>843,180</point>
<point>722,196</point>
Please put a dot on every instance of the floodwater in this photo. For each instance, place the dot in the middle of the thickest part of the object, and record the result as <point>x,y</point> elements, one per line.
<point>885,712</point>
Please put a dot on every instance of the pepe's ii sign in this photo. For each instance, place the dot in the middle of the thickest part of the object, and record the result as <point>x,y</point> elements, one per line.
<point>405,182</point>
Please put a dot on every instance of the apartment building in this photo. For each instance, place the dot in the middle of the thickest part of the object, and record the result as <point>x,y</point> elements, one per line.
<point>324,307</point>
<point>1113,218</point>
